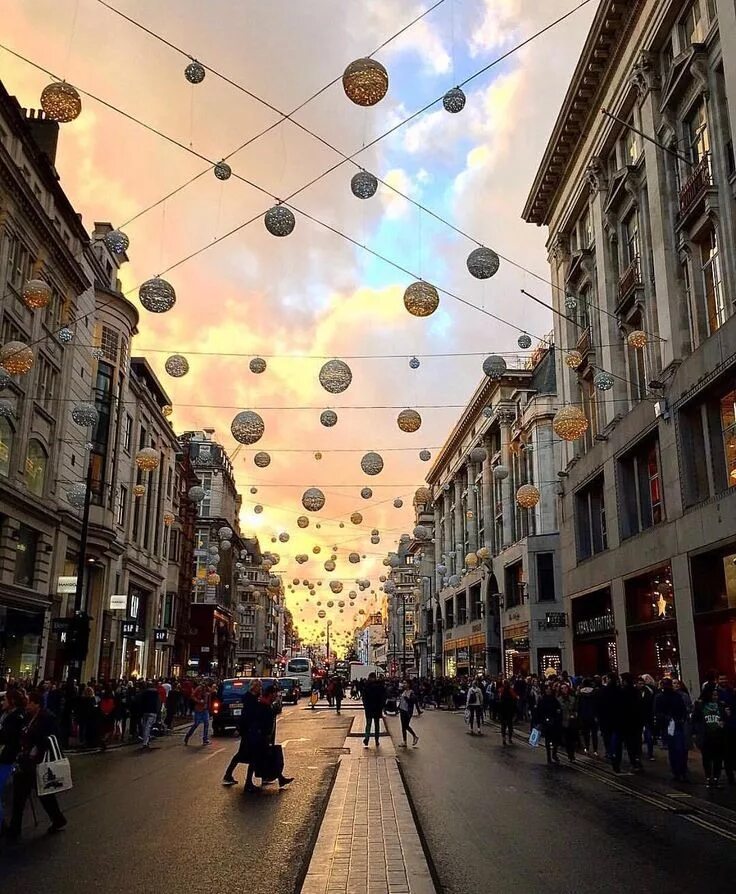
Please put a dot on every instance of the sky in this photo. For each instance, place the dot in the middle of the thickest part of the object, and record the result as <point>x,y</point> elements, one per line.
<point>314,292</point>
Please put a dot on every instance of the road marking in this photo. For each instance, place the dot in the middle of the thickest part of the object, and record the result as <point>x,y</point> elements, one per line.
<point>288,741</point>
<point>206,757</point>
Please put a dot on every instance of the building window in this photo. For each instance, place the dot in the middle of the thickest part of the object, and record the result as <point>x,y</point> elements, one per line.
<point>590,520</point>
<point>127,432</point>
<point>590,407</point>
<point>19,263</point>
<point>46,378</point>
<point>6,446</point>
<point>632,247</point>
<point>696,136</point>
<point>36,460</point>
<point>122,505</point>
<point>715,300</point>
<point>247,641</point>
<point>52,317</point>
<point>632,143</point>
<point>546,577</point>
<point>514,585</point>
<point>25,556</point>
<point>637,365</point>
<point>205,480</point>
<point>109,344</point>
<point>449,614</point>
<point>640,488</point>
<point>728,428</point>
<point>692,26</point>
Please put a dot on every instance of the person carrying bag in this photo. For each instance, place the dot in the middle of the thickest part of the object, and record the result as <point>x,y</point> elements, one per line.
<point>34,769</point>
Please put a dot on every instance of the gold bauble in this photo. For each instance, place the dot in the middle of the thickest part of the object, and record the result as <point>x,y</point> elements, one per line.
<point>16,358</point>
<point>139,490</point>
<point>356,518</point>
<point>409,420</point>
<point>421,299</point>
<point>36,294</point>
<point>570,423</point>
<point>471,560</point>
<point>169,519</point>
<point>527,496</point>
<point>573,359</point>
<point>637,339</point>
<point>147,459</point>
<point>61,102</point>
<point>365,82</point>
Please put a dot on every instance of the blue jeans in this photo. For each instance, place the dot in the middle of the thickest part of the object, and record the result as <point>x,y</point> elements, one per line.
<point>649,740</point>
<point>677,748</point>
<point>148,721</point>
<point>370,719</point>
<point>200,717</point>
<point>6,771</point>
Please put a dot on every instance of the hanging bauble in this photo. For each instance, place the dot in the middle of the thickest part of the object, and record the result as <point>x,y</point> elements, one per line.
<point>284,537</point>
<point>65,335</point>
<point>214,550</point>
<point>98,353</point>
<point>157,295</point>
<point>116,241</point>
<point>356,518</point>
<point>483,263</point>
<point>524,341</point>
<point>342,524</point>
<point>494,367</point>
<point>354,558</point>
<point>603,380</point>
<point>570,423</point>
<point>313,499</point>
<point>366,493</point>
<point>257,365</point>
<point>139,490</point>
<point>222,170</point>
<point>425,456</point>
<point>487,412</point>
<point>279,220</point>
<point>316,549</point>
<point>303,521</point>
<point>16,358</point>
<point>421,299</point>
<point>225,545</point>
<point>571,302</point>
<point>454,580</point>
<point>318,526</point>
<point>328,418</point>
<point>196,493</point>
<point>372,463</point>
<point>478,454</point>
<point>363,185</point>
<point>318,456</point>
<point>527,496</point>
<point>398,503</point>
<point>273,539</point>
<point>166,410</point>
<point>365,82</point>
<point>637,339</point>
<point>36,294</point>
<point>336,586</point>
<point>573,359</point>
<point>335,376</point>
<point>85,414</point>
<point>321,613</point>
<point>176,366</point>
<point>213,579</point>
<point>262,459</point>
<point>441,569</point>
<point>258,509</point>
<point>302,558</point>
<point>76,494</point>
<point>421,532</point>
<point>422,495</point>
<point>194,72</point>
<point>61,102</point>
<point>329,565</point>
<point>254,490</point>
<point>454,100</point>
<point>341,604</point>
<point>500,472</point>
<point>225,533</point>
<point>247,427</point>
<point>147,459</point>
<point>409,420</point>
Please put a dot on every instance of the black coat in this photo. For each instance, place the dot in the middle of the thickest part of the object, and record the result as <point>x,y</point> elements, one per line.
<point>35,738</point>
<point>11,727</point>
<point>374,698</point>
<point>261,730</point>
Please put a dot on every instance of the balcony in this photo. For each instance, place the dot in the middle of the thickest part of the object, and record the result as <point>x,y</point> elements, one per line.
<point>629,280</point>
<point>583,344</point>
<point>695,186</point>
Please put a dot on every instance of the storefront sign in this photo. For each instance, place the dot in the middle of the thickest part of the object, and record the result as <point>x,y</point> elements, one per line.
<point>591,626</point>
<point>204,649</point>
<point>65,586</point>
<point>462,655</point>
<point>160,635</point>
<point>130,629</point>
<point>118,601</point>
<point>555,619</point>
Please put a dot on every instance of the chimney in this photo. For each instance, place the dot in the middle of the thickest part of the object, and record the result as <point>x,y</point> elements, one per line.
<point>209,432</point>
<point>44,131</point>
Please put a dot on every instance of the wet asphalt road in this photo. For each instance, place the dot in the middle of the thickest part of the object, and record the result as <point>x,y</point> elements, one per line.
<point>160,822</point>
<point>500,819</point>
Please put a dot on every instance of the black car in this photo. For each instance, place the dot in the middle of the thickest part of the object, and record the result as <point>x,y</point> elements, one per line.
<point>227,705</point>
<point>290,689</point>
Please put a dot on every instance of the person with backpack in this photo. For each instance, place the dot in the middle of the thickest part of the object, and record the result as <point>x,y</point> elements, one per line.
<point>474,707</point>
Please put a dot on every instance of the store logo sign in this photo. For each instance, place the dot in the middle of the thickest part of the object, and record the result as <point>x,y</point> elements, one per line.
<point>600,624</point>
<point>118,601</point>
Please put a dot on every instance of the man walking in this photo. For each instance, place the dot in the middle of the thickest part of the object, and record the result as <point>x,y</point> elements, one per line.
<point>242,755</point>
<point>202,697</point>
<point>374,699</point>
<point>474,705</point>
<point>407,703</point>
<point>266,759</point>
<point>150,705</point>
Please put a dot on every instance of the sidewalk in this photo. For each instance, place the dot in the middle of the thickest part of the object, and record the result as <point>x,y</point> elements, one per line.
<point>368,842</point>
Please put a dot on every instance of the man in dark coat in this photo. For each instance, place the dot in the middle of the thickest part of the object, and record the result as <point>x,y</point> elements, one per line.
<point>374,700</point>
<point>261,735</point>
<point>34,745</point>
<point>241,756</point>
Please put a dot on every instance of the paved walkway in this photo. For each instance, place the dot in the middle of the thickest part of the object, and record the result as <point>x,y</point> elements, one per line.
<point>368,842</point>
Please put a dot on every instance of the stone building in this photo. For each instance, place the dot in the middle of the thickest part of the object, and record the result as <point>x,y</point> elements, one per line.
<point>401,590</point>
<point>639,203</point>
<point>494,597</point>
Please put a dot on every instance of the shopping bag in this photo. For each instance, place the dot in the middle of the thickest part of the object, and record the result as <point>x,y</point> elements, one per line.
<point>535,736</point>
<point>671,728</point>
<point>53,774</point>
<point>271,766</point>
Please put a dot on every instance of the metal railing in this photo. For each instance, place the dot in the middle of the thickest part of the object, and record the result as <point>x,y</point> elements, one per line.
<point>696,184</point>
<point>629,279</point>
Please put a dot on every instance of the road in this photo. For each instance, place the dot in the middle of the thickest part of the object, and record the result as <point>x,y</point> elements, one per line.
<point>160,821</point>
<point>498,819</point>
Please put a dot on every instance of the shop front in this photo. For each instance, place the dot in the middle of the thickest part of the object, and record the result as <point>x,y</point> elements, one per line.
<point>516,650</point>
<point>21,635</point>
<point>456,656</point>
<point>594,634</point>
<point>651,623</point>
<point>714,606</point>
<point>477,646</point>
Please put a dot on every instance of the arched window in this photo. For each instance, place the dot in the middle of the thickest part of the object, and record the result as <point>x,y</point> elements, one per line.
<point>36,459</point>
<point>6,446</point>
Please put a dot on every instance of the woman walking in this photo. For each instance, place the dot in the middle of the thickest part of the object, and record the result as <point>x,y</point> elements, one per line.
<point>407,703</point>
<point>507,712</point>
<point>549,719</point>
<point>708,723</point>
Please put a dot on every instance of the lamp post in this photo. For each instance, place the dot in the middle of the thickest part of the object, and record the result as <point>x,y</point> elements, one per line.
<point>329,624</point>
<point>78,637</point>
<point>401,611</point>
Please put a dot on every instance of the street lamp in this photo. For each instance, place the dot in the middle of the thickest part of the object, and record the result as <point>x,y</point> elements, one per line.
<point>401,611</point>
<point>329,624</point>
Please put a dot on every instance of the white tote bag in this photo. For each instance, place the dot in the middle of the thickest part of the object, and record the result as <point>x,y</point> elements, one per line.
<point>53,774</point>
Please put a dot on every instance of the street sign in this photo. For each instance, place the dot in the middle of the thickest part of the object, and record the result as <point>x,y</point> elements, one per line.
<point>118,601</point>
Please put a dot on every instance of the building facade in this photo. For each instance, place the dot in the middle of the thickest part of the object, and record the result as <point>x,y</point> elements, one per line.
<point>402,596</point>
<point>494,599</point>
<point>640,208</point>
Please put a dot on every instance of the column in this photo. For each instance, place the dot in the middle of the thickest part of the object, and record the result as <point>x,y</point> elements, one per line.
<point>458,525</point>
<point>487,498</point>
<point>472,505</point>
<point>507,496</point>
<point>449,550</point>
<point>686,642</point>
<point>618,603</point>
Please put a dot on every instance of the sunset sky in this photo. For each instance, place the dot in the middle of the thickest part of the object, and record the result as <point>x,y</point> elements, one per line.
<point>312,293</point>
